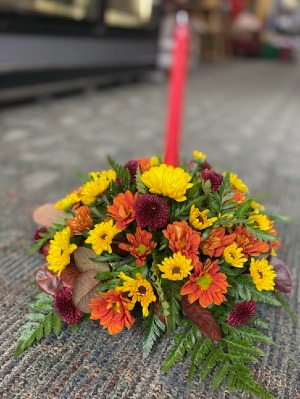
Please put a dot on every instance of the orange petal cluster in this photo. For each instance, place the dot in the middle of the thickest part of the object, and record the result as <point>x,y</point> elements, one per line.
<point>250,245</point>
<point>206,285</point>
<point>82,221</point>
<point>112,310</point>
<point>141,245</point>
<point>182,238</point>
<point>215,244</point>
<point>122,209</point>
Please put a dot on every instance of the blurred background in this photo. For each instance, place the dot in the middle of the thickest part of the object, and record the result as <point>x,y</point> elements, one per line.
<point>49,46</point>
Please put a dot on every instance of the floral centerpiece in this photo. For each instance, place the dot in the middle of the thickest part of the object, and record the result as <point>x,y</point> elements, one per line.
<point>181,250</point>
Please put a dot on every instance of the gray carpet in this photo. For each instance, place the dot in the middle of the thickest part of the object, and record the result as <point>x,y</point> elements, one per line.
<point>245,117</point>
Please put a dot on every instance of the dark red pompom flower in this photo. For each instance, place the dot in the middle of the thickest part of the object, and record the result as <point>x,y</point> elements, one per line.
<point>151,211</point>
<point>214,177</point>
<point>242,314</point>
<point>132,167</point>
<point>64,306</point>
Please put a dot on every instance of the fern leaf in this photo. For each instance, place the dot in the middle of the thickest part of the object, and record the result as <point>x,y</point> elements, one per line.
<point>39,324</point>
<point>152,330</point>
<point>220,375</point>
<point>201,349</point>
<point>211,360</point>
<point>240,346</point>
<point>257,322</point>
<point>250,386</point>
<point>176,354</point>
<point>139,184</point>
<point>122,173</point>
<point>56,323</point>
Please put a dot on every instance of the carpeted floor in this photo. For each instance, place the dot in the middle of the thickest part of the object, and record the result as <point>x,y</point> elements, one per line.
<point>245,116</point>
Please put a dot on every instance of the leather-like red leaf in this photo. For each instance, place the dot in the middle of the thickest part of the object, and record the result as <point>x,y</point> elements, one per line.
<point>283,280</point>
<point>203,318</point>
<point>84,289</point>
<point>69,275</point>
<point>47,280</point>
<point>46,214</point>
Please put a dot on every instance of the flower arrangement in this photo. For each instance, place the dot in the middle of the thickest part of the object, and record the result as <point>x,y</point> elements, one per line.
<point>180,250</point>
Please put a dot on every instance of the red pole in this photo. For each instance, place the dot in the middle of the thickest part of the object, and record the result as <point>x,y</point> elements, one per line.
<point>176,89</point>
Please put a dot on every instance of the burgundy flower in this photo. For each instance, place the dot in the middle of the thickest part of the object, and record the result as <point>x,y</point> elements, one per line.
<point>214,177</point>
<point>151,211</point>
<point>132,167</point>
<point>242,314</point>
<point>44,250</point>
<point>65,307</point>
<point>206,165</point>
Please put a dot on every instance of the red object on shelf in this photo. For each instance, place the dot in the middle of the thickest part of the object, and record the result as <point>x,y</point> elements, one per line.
<point>176,89</point>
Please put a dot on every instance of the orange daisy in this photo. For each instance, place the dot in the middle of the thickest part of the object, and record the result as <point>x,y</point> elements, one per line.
<point>217,241</point>
<point>82,221</point>
<point>141,245</point>
<point>250,245</point>
<point>206,285</point>
<point>182,238</point>
<point>122,209</point>
<point>112,310</point>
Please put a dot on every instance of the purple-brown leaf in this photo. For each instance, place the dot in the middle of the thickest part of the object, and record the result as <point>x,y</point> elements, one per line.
<point>84,289</point>
<point>47,280</point>
<point>203,319</point>
<point>283,280</point>
<point>83,259</point>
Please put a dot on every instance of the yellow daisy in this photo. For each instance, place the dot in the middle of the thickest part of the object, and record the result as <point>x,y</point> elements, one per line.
<point>234,256</point>
<point>60,251</point>
<point>101,237</point>
<point>262,221</point>
<point>256,206</point>
<point>238,183</point>
<point>139,289</point>
<point>153,162</point>
<point>262,274</point>
<point>199,155</point>
<point>168,181</point>
<point>199,219</point>
<point>176,267</point>
<point>110,175</point>
<point>69,200</point>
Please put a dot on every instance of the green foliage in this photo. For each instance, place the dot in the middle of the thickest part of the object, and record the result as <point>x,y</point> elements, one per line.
<point>278,218</point>
<point>39,323</point>
<point>139,184</point>
<point>228,359</point>
<point>122,173</point>
<point>153,327</point>
<point>243,288</point>
<point>108,258</point>
<point>111,279</point>
<point>260,234</point>
<point>173,297</point>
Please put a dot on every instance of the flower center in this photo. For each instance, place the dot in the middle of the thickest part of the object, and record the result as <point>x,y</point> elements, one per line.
<point>176,270</point>
<point>141,248</point>
<point>142,290</point>
<point>204,281</point>
<point>103,236</point>
<point>260,274</point>
<point>200,218</point>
